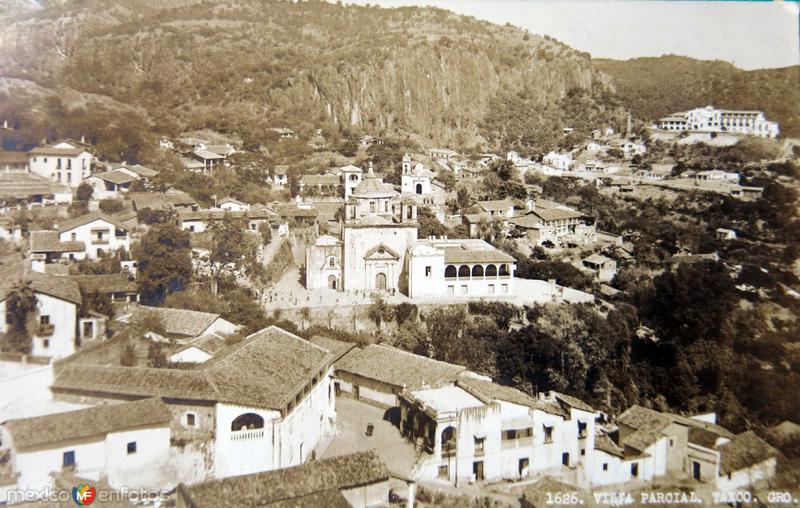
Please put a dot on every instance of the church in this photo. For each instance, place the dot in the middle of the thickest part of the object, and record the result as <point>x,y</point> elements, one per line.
<point>379,250</point>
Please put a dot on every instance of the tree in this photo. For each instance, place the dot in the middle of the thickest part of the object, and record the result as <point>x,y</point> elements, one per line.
<point>111,205</point>
<point>165,261</point>
<point>380,312</point>
<point>428,224</point>
<point>84,192</point>
<point>229,247</point>
<point>21,306</point>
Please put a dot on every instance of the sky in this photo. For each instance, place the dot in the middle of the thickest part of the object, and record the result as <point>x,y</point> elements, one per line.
<point>750,35</point>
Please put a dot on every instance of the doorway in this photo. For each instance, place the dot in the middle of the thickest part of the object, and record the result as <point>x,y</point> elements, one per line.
<point>331,282</point>
<point>380,281</point>
<point>696,470</point>
<point>477,470</point>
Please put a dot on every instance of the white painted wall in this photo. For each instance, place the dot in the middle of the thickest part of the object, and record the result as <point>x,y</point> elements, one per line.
<point>47,166</point>
<point>747,477</point>
<point>63,316</point>
<point>110,242</point>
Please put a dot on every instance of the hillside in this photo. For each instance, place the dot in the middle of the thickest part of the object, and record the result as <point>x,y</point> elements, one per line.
<point>424,73</point>
<point>655,87</point>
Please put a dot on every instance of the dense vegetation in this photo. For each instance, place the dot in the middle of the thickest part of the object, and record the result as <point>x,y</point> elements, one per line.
<point>242,68</point>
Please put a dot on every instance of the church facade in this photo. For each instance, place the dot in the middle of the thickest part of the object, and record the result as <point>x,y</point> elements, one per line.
<point>379,250</point>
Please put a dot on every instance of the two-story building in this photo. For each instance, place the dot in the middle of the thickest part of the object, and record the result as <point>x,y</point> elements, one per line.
<point>55,317</point>
<point>63,162</point>
<point>264,403</point>
<point>478,430</point>
<point>99,232</point>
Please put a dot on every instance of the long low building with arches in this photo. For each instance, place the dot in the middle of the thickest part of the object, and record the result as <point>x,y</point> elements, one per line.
<point>261,404</point>
<point>463,267</point>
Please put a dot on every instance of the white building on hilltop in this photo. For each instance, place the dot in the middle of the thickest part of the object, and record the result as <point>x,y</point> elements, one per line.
<point>709,119</point>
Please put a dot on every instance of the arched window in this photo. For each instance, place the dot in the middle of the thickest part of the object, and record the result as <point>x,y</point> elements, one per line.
<point>491,271</point>
<point>477,271</point>
<point>448,442</point>
<point>409,212</point>
<point>450,272</point>
<point>247,421</point>
<point>419,188</point>
<point>503,270</point>
<point>463,271</point>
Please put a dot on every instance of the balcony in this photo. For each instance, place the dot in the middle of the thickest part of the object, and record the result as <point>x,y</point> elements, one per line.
<point>46,330</point>
<point>99,241</point>
<point>247,435</point>
<point>522,442</point>
<point>448,451</point>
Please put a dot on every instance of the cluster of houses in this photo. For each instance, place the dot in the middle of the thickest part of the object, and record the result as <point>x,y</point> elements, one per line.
<point>258,414</point>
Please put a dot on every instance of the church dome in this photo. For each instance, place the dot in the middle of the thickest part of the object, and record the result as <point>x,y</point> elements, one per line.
<point>371,187</point>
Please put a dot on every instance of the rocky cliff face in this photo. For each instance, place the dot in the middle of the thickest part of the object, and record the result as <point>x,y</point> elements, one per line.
<point>410,71</point>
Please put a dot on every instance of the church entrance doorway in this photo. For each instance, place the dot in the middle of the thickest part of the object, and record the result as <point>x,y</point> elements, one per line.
<point>331,282</point>
<point>380,281</point>
<point>419,188</point>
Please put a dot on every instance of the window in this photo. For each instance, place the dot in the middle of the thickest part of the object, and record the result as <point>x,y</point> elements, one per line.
<point>427,271</point>
<point>69,459</point>
<point>479,445</point>
<point>131,447</point>
<point>605,466</point>
<point>671,443</point>
<point>548,434</point>
<point>504,288</point>
<point>44,319</point>
<point>581,429</point>
<point>73,236</point>
<point>583,452</point>
<point>565,459</point>
<point>69,177</point>
<point>191,419</point>
<point>58,163</point>
<point>635,469</point>
<point>331,262</point>
<point>491,289</point>
<point>510,434</point>
<point>450,272</point>
<point>443,472</point>
<point>46,343</point>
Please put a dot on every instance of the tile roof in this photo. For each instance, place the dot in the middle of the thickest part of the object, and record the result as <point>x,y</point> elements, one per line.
<point>180,321</point>
<point>49,150</point>
<point>319,180</point>
<point>116,177</point>
<point>84,423</point>
<point>290,487</point>
<point>208,155</point>
<point>55,286</point>
<point>649,425</point>
<point>49,241</point>
<point>551,214</point>
<point>13,157</point>
<point>142,171</point>
<point>606,444</point>
<point>268,369</point>
<point>337,348</point>
<point>86,219</point>
<point>106,283</point>
<point>489,390</point>
<point>158,200</point>
<point>210,343</point>
<point>23,185</point>
<point>597,259</point>
<point>528,221</point>
<point>573,402</point>
<point>136,382</point>
<point>399,368</point>
<point>471,251</point>
<point>744,450</point>
<point>498,205</point>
